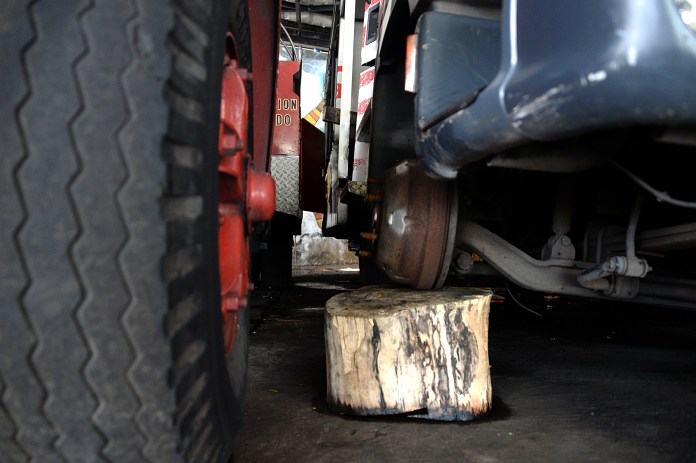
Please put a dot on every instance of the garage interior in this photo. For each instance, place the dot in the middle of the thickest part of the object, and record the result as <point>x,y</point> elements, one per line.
<point>573,381</point>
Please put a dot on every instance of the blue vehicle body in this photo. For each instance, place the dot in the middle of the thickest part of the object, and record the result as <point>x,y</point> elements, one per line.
<point>549,70</point>
<point>569,129</point>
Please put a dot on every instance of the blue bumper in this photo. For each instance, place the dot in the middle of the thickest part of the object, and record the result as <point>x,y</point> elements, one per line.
<point>546,71</point>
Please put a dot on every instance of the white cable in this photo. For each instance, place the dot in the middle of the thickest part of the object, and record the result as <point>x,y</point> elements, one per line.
<point>294,53</point>
<point>660,195</point>
<point>290,54</point>
<point>519,303</point>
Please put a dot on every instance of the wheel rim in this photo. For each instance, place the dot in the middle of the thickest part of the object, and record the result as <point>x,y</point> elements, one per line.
<point>245,196</point>
<point>233,235</point>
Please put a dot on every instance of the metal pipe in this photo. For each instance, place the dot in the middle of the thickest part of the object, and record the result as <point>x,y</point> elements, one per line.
<point>590,276</point>
<point>347,51</point>
<point>307,17</point>
<point>561,276</point>
<point>660,239</point>
<point>298,17</point>
<point>632,225</point>
<point>294,53</point>
<point>290,52</point>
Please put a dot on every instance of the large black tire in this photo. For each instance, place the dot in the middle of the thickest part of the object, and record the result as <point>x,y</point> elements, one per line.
<point>110,332</point>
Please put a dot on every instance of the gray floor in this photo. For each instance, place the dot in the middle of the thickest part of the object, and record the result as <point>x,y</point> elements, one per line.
<point>572,382</point>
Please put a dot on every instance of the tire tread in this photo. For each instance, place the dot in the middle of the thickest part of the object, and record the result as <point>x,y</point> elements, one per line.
<point>109,359</point>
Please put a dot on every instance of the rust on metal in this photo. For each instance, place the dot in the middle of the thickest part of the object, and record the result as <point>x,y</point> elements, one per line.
<point>417,227</point>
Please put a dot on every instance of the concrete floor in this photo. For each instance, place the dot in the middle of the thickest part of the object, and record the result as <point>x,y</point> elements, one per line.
<point>571,382</point>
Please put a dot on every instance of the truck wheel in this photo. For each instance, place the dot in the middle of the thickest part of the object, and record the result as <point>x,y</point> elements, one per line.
<point>111,339</point>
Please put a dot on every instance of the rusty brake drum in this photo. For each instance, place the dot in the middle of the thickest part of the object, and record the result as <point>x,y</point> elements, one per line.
<point>417,225</point>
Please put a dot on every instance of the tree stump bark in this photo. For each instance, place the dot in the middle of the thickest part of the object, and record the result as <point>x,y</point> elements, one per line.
<point>392,350</point>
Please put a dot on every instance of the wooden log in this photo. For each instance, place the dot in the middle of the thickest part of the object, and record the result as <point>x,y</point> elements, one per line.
<point>391,350</point>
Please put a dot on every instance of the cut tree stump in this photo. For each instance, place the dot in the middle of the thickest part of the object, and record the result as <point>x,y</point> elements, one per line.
<point>391,350</point>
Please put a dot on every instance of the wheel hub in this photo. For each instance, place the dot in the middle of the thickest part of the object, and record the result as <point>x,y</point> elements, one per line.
<point>417,221</point>
<point>245,196</point>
